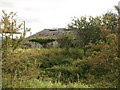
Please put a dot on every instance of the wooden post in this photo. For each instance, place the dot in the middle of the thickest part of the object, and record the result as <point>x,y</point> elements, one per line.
<point>24,30</point>
<point>12,34</point>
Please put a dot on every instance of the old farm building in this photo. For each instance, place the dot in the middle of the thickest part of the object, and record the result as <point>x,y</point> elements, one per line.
<point>50,33</point>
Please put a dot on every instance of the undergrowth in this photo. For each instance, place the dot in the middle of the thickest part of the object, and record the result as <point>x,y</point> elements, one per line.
<point>52,68</point>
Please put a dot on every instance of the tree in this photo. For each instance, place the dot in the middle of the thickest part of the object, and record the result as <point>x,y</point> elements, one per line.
<point>118,31</point>
<point>8,28</point>
<point>87,29</point>
<point>91,29</point>
<point>109,20</point>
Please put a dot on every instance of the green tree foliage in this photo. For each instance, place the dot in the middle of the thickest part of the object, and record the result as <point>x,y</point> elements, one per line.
<point>66,41</point>
<point>9,27</point>
<point>109,20</point>
<point>89,29</point>
<point>118,31</point>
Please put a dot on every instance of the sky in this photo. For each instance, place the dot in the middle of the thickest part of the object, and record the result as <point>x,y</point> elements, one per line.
<point>43,14</point>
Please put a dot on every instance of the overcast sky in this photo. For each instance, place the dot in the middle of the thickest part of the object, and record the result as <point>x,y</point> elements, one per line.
<point>41,14</point>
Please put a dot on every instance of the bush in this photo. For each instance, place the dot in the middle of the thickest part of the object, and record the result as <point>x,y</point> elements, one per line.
<point>41,63</point>
<point>76,53</point>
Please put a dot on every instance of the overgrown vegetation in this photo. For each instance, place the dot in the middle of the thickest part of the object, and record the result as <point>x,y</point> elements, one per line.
<point>89,61</point>
<point>42,41</point>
